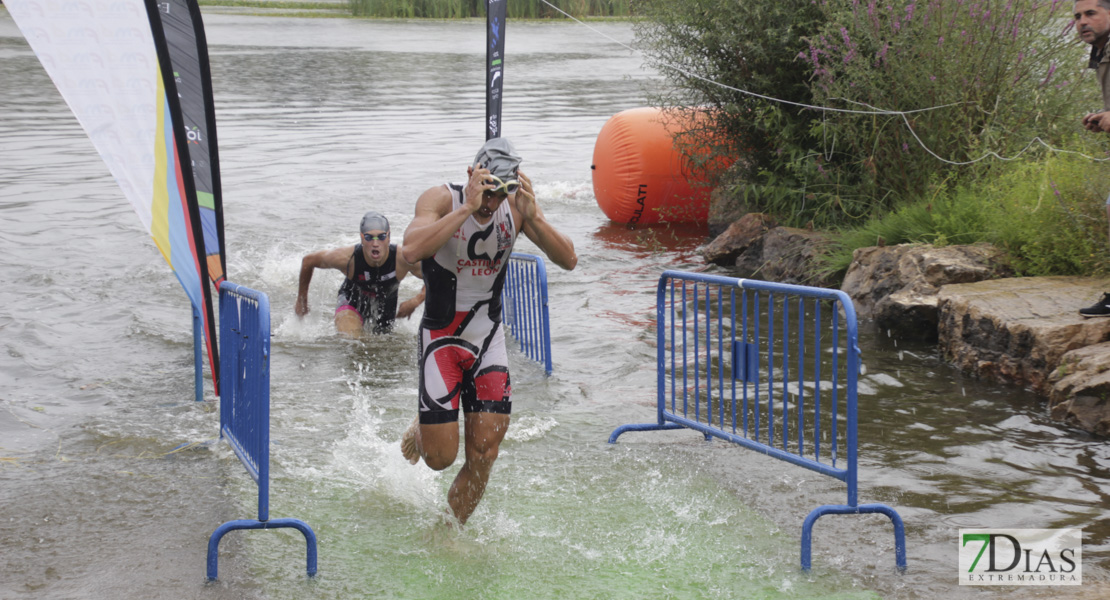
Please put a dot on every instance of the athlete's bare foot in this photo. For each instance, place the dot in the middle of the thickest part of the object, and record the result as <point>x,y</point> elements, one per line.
<point>409,448</point>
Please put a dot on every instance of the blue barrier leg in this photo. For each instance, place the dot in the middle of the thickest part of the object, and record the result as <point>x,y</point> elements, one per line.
<point>214,540</point>
<point>841,509</point>
<point>642,427</point>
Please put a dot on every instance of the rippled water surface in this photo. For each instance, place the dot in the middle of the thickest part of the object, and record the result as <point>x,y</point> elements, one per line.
<point>319,121</point>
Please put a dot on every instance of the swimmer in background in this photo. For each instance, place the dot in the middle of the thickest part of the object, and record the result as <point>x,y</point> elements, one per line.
<point>373,270</point>
<point>464,234</point>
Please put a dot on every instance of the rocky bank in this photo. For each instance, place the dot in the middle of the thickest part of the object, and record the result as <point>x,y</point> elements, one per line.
<point>1014,330</point>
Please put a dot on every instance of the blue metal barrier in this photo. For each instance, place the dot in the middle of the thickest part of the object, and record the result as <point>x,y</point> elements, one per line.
<point>524,302</point>
<point>245,407</point>
<point>781,380</point>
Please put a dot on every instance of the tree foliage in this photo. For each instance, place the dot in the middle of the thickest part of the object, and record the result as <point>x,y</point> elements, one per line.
<point>972,76</point>
<point>709,50</point>
<point>975,77</point>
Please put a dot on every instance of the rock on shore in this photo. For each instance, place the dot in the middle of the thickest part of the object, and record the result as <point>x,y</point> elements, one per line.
<point>897,285</point>
<point>1021,331</point>
<point>1081,389</point>
<point>755,247</point>
<point>1017,330</point>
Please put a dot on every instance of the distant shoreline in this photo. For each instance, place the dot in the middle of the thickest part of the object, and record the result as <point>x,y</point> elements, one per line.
<point>339,9</point>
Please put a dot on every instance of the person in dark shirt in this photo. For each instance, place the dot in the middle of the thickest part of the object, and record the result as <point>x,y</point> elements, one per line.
<point>373,269</point>
<point>1092,23</point>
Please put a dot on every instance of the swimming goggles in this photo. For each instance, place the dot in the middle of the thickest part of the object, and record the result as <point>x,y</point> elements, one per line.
<point>371,236</point>
<point>508,187</point>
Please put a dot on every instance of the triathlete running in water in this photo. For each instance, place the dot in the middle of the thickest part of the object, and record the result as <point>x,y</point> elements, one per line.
<point>373,269</point>
<point>463,236</point>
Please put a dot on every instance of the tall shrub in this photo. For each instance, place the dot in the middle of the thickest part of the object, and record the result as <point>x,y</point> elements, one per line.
<point>708,50</point>
<point>986,76</point>
<point>1004,71</point>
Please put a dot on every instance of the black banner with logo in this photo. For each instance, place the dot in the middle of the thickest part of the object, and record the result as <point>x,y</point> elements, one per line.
<point>495,65</point>
<point>182,52</point>
<point>182,30</point>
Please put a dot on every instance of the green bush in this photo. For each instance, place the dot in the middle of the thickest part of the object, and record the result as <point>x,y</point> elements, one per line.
<point>700,46</point>
<point>946,218</point>
<point>1051,218</point>
<point>440,9</point>
<point>1002,73</point>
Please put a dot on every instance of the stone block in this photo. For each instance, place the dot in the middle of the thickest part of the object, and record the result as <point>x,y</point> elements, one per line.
<point>1017,330</point>
<point>743,235</point>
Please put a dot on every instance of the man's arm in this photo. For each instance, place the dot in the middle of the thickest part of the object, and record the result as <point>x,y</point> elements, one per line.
<point>408,307</point>
<point>558,247</point>
<point>435,222</point>
<point>338,259</point>
<point>404,268</point>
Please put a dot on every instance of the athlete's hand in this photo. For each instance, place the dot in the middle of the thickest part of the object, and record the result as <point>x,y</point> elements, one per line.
<point>476,186</point>
<point>525,197</point>
<point>301,308</point>
<point>408,307</point>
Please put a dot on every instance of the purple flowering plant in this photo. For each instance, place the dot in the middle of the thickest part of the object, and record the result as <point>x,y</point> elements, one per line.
<point>999,71</point>
<point>974,76</point>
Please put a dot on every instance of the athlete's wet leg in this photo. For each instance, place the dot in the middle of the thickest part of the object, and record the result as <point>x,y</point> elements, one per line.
<point>438,444</point>
<point>348,323</point>
<point>484,432</point>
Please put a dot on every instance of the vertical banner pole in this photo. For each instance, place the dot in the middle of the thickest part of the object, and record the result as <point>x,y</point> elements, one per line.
<point>198,352</point>
<point>178,60</point>
<point>495,65</point>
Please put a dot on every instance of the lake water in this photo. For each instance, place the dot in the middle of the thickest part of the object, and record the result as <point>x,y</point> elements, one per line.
<point>321,120</point>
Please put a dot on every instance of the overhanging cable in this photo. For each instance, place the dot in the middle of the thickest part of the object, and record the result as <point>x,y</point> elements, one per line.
<point>872,111</point>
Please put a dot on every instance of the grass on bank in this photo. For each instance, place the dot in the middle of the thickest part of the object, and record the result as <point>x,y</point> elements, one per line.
<point>276,4</point>
<point>1047,215</point>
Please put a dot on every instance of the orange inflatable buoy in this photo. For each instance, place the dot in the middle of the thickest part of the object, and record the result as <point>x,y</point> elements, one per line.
<point>640,177</point>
